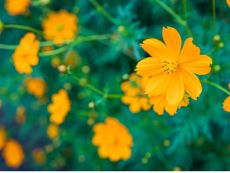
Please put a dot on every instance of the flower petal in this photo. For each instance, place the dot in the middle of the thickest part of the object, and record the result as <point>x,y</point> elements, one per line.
<point>149,67</point>
<point>175,90</point>
<point>226,104</point>
<point>173,41</point>
<point>191,83</point>
<point>155,48</point>
<point>200,65</point>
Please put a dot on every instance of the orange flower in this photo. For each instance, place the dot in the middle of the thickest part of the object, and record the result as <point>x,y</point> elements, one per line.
<point>134,94</point>
<point>171,70</point>
<point>39,156</point>
<point>226,104</point>
<point>60,26</point>
<point>53,131</point>
<point>59,107</point>
<point>228,2</point>
<point>26,54</point>
<point>13,154</point>
<point>2,137</point>
<point>113,139</point>
<point>16,7</point>
<point>36,86</point>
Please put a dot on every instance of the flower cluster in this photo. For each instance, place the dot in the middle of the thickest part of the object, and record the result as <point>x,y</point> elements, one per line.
<point>170,71</point>
<point>26,54</point>
<point>113,139</point>
<point>134,94</point>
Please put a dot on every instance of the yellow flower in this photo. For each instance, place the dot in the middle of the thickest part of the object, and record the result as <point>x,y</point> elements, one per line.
<point>2,137</point>
<point>13,154</point>
<point>113,139</point>
<point>26,54</point>
<point>39,156</point>
<point>228,2</point>
<point>36,86</point>
<point>59,107</point>
<point>20,115</point>
<point>171,69</point>
<point>16,7</point>
<point>134,94</point>
<point>53,131</point>
<point>60,26</point>
<point>226,104</point>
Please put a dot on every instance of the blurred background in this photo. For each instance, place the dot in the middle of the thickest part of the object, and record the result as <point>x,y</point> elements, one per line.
<point>196,138</point>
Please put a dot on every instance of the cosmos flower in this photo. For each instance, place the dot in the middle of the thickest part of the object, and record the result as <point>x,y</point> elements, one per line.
<point>17,7</point>
<point>113,140</point>
<point>60,26</point>
<point>36,86</point>
<point>26,54</point>
<point>171,70</point>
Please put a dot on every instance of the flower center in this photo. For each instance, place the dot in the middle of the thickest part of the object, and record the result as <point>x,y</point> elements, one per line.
<point>59,27</point>
<point>169,67</point>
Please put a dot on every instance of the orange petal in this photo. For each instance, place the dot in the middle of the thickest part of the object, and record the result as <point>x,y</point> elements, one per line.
<point>159,104</point>
<point>200,65</point>
<point>191,83</point>
<point>173,41</point>
<point>149,67</point>
<point>175,90</point>
<point>155,48</point>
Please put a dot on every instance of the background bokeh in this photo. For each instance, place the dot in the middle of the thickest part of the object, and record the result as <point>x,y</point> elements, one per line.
<point>196,138</point>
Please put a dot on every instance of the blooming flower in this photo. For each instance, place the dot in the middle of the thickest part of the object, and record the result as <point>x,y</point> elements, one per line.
<point>2,137</point>
<point>36,86</point>
<point>17,7</point>
<point>60,26</point>
<point>226,104</point>
<point>26,54</point>
<point>171,69</point>
<point>59,107</point>
<point>53,131</point>
<point>13,154</point>
<point>134,94</point>
<point>113,139</point>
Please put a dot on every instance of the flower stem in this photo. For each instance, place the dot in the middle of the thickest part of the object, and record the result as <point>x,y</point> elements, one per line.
<point>8,46</point>
<point>217,86</point>
<point>174,14</point>
<point>102,11</point>
<point>93,88</point>
<point>185,9</point>
<point>214,14</point>
<point>54,52</point>
<point>23,27</point>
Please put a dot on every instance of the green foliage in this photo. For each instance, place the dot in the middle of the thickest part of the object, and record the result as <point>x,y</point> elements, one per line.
<point>196,138</point>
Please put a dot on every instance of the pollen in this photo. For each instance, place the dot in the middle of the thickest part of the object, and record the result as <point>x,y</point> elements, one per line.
<point>169,67</point>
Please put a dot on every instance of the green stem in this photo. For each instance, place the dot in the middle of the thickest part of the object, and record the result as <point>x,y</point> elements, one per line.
<point>94,89</point>
<point>54,52</point>
<point>214,14</point>
<point>102,11</point>
<point>23,27</point>
<point>81,39</point>
<point>185,9</point>
<point>217,86</point>
<point>178,19</point>
<point>8,46</point>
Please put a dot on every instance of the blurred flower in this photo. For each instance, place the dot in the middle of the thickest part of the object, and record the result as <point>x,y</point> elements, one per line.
<point>171,70</point>
<point>55,62</point>
<point>2,137</point>
<point>47,48</point>
<point>39,156</point>
<point>72,59</point>
<point>134,95</point>
<point>13,154</point>
<point>59,107</point>
<point>228,2</point>
<point>26,54</point>
<point>53,131</point>
<point>36,86</point>
<point>60,26</point>
<point>16,7</point>
<point>20,115</point>
<point>226,104</point>
<point>113,139</point>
